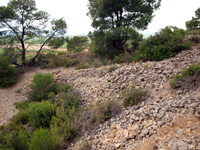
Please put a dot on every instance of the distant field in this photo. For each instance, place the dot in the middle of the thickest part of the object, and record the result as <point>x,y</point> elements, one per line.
<point>35,48</point>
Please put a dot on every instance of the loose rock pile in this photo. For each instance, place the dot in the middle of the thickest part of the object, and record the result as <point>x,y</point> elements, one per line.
<point>141,122</point>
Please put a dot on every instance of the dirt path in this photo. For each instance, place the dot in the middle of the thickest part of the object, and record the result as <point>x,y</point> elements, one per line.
<point>9,96</point>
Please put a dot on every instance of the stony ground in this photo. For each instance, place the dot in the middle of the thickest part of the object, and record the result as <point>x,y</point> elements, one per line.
<point>167,120</point>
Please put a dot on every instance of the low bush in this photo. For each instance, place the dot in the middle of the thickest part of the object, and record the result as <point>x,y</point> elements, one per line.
<point>22,105</point>
<point>19,139</point>
<point>133,96</point>
<point>61,123</point>
<point>86,145</point>
<point>193,71</point>
<point>18,91</point>
<point>122,58</point>
<point>42,139</point>
<point>94,61</point>
<point>14,139</point>
<point>195,39</point>
<point>193,32</point>
<point>41,86</point>
<point>55,62</point>
<point>82,66</point>
<point>8,74</point>
<point>40,114</point>
<point>67,62</point>
<point>165,44</point>
<point>104,111</point>
<point>67,107</point>
<point>112,68</point>
<point>19,119</point>
<point>68,100</point>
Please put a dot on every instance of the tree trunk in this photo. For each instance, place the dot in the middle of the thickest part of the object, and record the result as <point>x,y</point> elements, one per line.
<point>23,53</point>
<point>119,45</point>
<point>24,57</point>
<point>33,60</point>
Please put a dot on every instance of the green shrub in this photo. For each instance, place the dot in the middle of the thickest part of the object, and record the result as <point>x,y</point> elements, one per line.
<point>18,91</point>
<point>66,88</point>
<point>68,100</point>
<point>77,43</point>
<point>104,111</point>
<point>165,44</point>
<point>42,139</point>
<point>61,123</point>
<point>82,66</point>
<point>195,39</point>
<point>86,145</point>
<point>122,58</point>
<point>40,114</point>
<point>68,105</point>
<point>108,43</point>
<point>112,68</point>
<point>42,85</point>
<point>192,71</point>
<point>19,119</point>
<point>8,74</point>
<point>55,62</point>
<point>44,66</point>
<point>193,32</point>
<point>67,97</point>
<point>18,140</point>
<point>133,96</point>
<point>22,105</point>
<point>67,62</point>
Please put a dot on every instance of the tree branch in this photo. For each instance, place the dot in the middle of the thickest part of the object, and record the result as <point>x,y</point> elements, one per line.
<point>33,60</point>
<point>12,29</point>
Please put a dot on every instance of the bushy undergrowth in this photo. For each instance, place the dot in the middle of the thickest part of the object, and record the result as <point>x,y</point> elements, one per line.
<point>112,68</point>
<point>22,106</point>
<point>18,139</point>
<point>56,115</point>
<point>42,139</point>
<point>193,71</point>
<point>193,32</point>
<point>8,74</point>
<point>53,61</point>
<point>68,62</point>
<point>104,111</point>
<point>96,114</point>
<point>42,85</point>
<point>40,114</point>
<point>133,96</point>
<point>165,44</point>
<point>195,39</point>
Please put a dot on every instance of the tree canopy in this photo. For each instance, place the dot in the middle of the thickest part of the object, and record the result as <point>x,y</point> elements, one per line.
<point>195,22</point>
<point>77,43</point>
<point>23,21</point>
<point>120,18</point>
<point>117,13</point>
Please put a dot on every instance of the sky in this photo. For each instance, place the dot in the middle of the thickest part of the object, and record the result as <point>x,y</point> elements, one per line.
<point>171,12</point>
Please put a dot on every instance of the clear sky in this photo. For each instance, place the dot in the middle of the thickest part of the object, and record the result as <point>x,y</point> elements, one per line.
<point>171,12</point>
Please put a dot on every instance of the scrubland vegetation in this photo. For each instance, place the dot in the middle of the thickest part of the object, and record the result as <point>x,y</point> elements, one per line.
<point>53,114</point>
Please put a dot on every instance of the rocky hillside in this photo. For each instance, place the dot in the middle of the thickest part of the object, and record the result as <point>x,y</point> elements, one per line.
<point>167,120</point>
